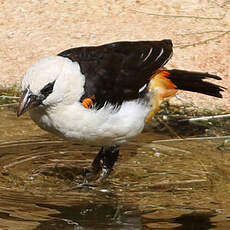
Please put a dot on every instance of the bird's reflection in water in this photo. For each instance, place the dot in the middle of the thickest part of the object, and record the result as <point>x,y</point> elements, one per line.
<point>91,216</point>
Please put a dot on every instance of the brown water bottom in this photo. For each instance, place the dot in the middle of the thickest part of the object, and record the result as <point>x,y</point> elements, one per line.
<point>180,185</point>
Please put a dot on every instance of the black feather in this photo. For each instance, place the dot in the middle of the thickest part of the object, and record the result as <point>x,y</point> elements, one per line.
<point>194,81</point>
<point>115,72</point>
<point>47,90</point>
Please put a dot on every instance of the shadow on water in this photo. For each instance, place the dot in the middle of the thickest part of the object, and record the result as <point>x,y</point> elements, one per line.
<point>181,185</point>
<point>191,221</point>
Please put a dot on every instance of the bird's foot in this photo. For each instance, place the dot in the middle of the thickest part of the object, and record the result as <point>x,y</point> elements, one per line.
<point>105,172</point>
<point>87,176</point>
<point>101,167</point>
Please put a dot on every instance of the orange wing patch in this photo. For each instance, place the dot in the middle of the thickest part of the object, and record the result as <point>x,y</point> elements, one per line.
<point>88,102</point>
<point>161,80</point>
<point>160,87</point>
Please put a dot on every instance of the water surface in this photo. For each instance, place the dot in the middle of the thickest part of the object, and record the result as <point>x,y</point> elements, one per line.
<point>181,185</point>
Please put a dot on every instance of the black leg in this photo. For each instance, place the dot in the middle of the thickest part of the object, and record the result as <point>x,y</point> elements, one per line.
<point>110,155</point>
<point>102,164</point>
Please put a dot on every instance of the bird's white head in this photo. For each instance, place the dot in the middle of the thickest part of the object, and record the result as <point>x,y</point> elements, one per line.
<point>50,81</point>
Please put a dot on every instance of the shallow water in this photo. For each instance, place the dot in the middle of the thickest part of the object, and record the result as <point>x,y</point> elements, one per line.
<point>181,185</point>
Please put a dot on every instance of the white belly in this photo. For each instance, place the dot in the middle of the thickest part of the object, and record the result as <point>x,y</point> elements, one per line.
<point>105,126</point>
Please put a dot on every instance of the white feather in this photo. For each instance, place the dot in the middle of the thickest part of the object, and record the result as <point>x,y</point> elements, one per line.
<point>150,51</point>
<point>162,50</point>
<point>76,123</point>
<point>142,88</point>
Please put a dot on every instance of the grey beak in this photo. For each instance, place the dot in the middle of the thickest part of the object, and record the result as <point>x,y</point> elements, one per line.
<point>27,101</point>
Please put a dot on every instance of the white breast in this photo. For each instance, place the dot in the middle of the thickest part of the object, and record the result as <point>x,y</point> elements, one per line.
<point>104,126</point>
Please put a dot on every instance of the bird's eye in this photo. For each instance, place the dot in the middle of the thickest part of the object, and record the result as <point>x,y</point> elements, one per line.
<point>47,89</point>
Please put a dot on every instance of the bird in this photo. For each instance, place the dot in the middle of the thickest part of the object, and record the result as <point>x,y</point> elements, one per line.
<point>103,95</point>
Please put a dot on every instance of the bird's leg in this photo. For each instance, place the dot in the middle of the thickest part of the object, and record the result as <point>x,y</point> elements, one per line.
<point>102,164</point>
<point>110,155</point>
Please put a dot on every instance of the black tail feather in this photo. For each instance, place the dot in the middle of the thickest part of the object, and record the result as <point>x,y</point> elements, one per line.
<point>194,81</point>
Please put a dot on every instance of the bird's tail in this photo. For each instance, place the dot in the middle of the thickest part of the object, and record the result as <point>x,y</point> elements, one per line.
<point>165,83</point>
<point>194,82</point>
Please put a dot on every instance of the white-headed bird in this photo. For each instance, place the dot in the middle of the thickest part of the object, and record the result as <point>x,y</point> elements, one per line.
<point>104,94</point>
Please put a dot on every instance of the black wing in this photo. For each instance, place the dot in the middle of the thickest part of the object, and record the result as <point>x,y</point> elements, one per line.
<point>117,71</point>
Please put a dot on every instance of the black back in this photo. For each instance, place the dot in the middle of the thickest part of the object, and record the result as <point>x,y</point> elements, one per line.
<point>117,71</point>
